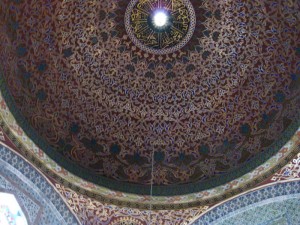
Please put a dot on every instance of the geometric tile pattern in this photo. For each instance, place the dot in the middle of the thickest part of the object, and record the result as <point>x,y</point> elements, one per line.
<point>284,212</point>
<point>271,205</point>
<point>38,198</point>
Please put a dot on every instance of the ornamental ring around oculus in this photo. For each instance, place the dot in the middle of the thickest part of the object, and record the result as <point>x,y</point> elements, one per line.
<point>160,26</point>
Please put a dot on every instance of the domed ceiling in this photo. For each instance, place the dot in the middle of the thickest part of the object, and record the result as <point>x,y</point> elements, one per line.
<point>107,93</point>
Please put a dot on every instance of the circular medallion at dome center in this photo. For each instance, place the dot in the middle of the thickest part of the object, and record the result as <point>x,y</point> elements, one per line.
<point>160,26</point>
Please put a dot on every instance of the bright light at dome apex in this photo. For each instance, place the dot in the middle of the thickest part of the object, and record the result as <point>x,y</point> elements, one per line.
<point>160,19</point>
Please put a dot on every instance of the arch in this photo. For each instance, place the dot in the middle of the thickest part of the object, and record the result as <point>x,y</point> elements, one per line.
<point>40,202</point>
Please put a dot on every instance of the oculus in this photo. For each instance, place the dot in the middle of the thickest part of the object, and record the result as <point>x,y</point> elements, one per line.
<point>160,19</point>
<point>160,26</point>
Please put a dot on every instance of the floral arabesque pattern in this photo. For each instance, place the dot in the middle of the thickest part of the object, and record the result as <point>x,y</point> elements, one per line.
<point>103,104</point>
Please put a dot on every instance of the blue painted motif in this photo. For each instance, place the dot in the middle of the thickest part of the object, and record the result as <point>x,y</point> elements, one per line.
<point>277,204</point>
<point>39,200</point>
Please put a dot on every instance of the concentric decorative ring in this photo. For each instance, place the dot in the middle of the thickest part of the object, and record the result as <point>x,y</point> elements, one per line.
<point>180,26</point>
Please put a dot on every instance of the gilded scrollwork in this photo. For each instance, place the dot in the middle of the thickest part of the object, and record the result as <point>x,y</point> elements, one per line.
<point>99,101</point>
